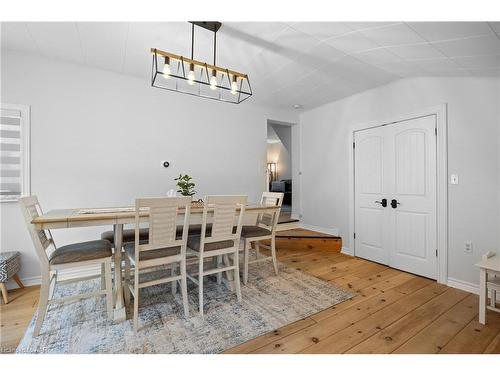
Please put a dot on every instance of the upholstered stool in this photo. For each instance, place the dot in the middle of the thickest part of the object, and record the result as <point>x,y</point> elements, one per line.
<point>10,264</point>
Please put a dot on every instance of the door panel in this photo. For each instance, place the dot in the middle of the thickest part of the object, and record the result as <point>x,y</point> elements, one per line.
<point>369,186</point>
<point>413,144</point>
<point>397,162</point>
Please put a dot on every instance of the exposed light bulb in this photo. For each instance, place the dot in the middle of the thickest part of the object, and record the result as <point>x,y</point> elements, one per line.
<point>190,76</point>
<point>213,80</point>
<point>234,85</point>
<point>166,68</point>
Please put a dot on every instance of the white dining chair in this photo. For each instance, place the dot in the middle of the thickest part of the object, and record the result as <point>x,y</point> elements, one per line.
<point>53,259</point>
<point>163,248</point>
<point>264,229</point>
<point>220,242</point>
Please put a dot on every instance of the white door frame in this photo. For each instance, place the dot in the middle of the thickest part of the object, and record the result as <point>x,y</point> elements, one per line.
<point>440,112</point>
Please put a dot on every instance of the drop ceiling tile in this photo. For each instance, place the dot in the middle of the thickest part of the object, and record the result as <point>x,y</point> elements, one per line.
<point>485,72</point>
<point>290,42</point>
<point>495,26</point>
<point>319,55</point>
<point>104,43</point>
<point>402,69</point>
<point>352,43</point>
<point>436,31</point>
<point>322,30</point>
<point>254,33</point>
<point>59,40</point>
<point>417,52</point>
<point>378,56</point>
<point>368,25</point>
<point>393,35</point>
<point>483,45</point>
<point>437,64</point>
<point>479,62</point>
<point>15,36</point>
<point>459,72</point>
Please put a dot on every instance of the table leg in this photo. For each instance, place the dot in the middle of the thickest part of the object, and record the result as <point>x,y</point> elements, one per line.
<point>482,296</point>
<point>119,311</point>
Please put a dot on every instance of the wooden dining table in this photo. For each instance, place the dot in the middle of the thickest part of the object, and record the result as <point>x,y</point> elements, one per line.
<point>118,217</point>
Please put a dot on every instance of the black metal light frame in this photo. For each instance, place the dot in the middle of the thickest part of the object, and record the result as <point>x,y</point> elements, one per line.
<point>227,76</point>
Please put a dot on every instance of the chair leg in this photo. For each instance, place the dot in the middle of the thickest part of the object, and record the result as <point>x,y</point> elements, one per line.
<point>103,276</point>
<point>109,288</point>
<point>126,290</point>
<point>52,287</point>
<point>218,264</point>
<point>18,281</point>
<point>44,301</point>
<point>173,273</point>
<point>200,286</point>
<point>5,296</point>
<point>136,299</point>
<point>245,261</point>
<point>184,289</point>
<point>257,250</point>
<point>237,285</point>
<point>273,253</point>
<point>493,298</point>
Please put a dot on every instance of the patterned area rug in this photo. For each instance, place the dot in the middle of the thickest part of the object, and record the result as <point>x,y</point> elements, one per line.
<point>269,302</point>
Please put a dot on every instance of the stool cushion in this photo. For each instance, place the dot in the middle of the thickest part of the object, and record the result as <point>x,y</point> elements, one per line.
<point>249,231</point>
<point>194,244</point>
<point>10,264</point>
<point>152,254</point>
<point>82,251</point>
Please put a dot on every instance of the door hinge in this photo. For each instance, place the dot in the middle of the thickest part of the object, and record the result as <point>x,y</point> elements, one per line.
<point>436,131</point>
<point>353,144</point>
<point>354,235</point>
<point>436,252</point>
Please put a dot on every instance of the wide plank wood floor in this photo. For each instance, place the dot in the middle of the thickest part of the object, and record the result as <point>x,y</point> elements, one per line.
<point>392,312</point>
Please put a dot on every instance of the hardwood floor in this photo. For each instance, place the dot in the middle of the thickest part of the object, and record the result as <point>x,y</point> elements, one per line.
<point>392,312</point>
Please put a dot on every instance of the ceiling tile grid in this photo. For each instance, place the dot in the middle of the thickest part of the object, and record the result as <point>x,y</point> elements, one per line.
<point>288,62</point>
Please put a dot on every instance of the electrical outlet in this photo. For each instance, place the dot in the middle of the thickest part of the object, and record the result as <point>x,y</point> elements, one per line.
<point>468,246</point>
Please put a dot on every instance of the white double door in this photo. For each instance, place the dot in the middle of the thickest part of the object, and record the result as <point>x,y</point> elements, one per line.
<point>397,162</point>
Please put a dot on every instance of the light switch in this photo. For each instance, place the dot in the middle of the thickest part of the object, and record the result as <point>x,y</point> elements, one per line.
<point>454,179</point>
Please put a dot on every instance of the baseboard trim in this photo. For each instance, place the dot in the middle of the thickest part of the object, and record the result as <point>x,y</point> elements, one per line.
<point>331,231</point>
<point>64,275</point>
<point>463,285</point>
<point>346,251</point>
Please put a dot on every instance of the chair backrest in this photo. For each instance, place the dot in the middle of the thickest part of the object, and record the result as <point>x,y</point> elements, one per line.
<point>270,220</point>
<point>228,212</point>
<point>42,239</point>
<point>162,219</point>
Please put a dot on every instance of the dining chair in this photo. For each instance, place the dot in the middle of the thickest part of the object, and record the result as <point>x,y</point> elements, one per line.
<point>220,242</point>
<point>54,259</point>
<point>163,248</point>
<point>264,229</point>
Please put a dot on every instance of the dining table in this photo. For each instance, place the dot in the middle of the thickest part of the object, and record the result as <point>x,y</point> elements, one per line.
<point>118,217</point>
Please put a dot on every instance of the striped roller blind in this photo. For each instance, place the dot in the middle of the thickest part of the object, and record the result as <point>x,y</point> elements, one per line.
<point>11,155</point>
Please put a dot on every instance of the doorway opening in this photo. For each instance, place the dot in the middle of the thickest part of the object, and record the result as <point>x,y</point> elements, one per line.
<point>280,158</point>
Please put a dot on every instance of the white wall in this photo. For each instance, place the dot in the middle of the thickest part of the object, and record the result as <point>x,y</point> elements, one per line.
<point>99,139</point>
<point>473,153</point>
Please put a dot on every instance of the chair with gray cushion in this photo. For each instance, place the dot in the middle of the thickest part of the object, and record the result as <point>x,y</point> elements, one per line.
<point>53,259</point>
<point>220,242</point>
<point>10,264</point>
<point>163,250</point>
<point>264,229</point>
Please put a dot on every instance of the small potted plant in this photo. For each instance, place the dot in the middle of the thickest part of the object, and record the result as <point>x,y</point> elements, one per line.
<point>185,186</point>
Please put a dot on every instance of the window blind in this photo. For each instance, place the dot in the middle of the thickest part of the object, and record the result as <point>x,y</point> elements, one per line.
<point>11,163</point>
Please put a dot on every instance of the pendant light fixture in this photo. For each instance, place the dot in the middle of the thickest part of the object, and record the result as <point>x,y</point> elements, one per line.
<point>189,76</point>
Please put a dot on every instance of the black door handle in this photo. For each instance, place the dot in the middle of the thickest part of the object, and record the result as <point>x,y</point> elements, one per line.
<point>383,202</point>
<point>394,203</point>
